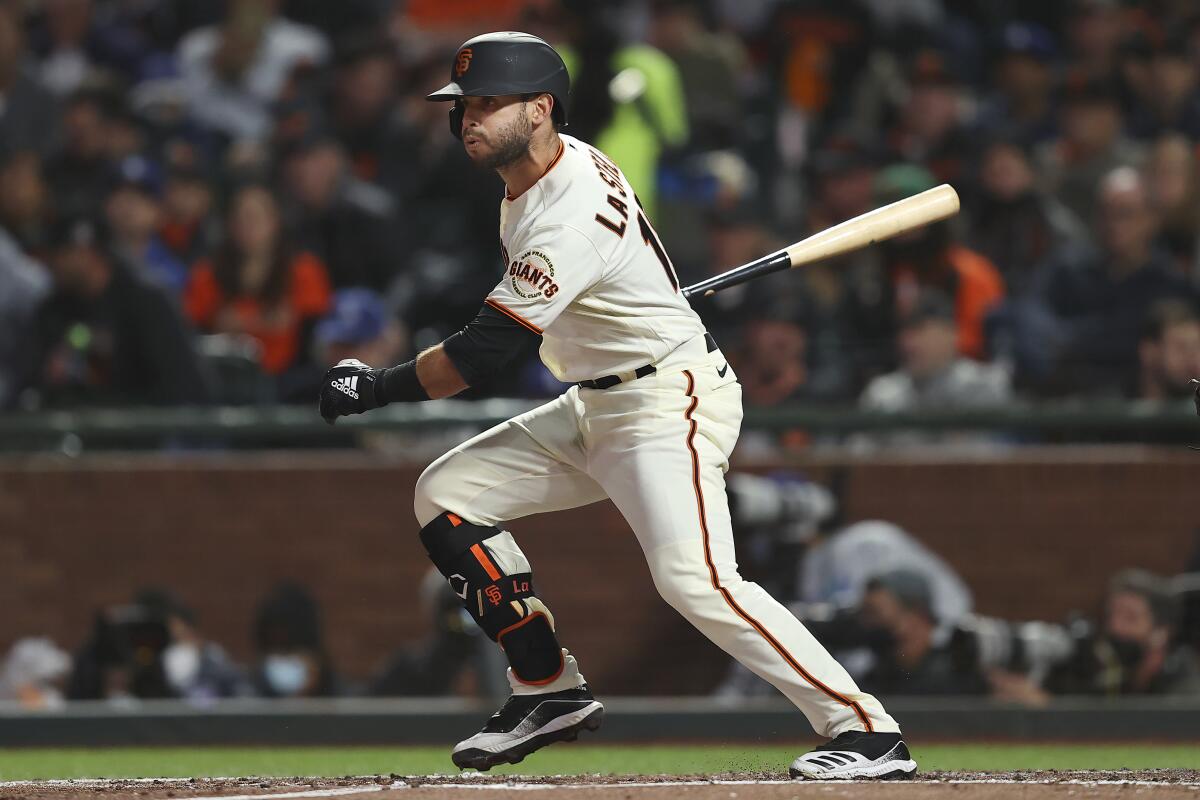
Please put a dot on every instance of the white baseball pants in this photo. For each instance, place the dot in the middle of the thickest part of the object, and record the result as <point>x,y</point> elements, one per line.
<point>659,448</point>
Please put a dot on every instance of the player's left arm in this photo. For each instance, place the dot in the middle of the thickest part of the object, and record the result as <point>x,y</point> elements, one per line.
<point>484,348</point>
<point>554,265</point>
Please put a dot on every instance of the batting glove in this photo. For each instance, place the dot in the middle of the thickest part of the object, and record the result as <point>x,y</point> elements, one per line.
<point>348,388</point>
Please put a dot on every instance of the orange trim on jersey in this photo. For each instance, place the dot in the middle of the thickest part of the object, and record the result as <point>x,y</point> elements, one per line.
<point>553,163</point>
<point>712,572</point>
<point>485,562</point>
<point>514,316</point>
<point>562,662</point>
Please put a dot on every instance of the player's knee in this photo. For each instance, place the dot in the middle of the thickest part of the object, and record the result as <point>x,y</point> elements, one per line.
<point>431,493</point>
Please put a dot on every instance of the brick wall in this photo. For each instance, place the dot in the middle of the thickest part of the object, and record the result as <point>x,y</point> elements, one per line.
<point>1033,536</point>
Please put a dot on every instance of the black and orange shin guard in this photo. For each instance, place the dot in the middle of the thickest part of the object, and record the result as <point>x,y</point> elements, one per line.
<point>491,576</point>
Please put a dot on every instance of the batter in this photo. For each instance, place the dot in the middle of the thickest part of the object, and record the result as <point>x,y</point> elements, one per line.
<point>650,422</point>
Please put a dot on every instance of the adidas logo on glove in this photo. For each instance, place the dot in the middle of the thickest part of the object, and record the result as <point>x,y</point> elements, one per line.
<point>347,386</point>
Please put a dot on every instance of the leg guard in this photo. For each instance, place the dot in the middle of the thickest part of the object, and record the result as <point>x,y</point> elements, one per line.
<point>491,575</point>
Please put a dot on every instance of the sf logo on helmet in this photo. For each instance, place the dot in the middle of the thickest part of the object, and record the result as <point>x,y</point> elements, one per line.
<point>463,62</point>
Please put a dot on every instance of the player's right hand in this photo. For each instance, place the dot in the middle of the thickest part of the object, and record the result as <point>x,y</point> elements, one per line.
<point>348,388</point>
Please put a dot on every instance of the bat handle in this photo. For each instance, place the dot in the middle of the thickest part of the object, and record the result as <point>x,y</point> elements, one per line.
<point>763,266</point>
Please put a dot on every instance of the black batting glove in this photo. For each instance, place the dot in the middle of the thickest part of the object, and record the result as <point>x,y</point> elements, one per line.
<point>348,388</point>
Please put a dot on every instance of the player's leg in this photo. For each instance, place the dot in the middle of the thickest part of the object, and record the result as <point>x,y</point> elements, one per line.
<point>524,466</point>
<point>671,490</point>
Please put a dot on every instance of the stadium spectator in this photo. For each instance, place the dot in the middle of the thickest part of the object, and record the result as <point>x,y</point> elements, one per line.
<point>106,336</point>
<point>24,199</point>
<point>897,613</point>
<point>364,110</point>
<point>134,212</point>
<point>349,224</point>
<point>710,64</point>
<point>931,130</point>
<point>78,174</point>
<point>1169,353</point>
<point>1101,298</point>
<point>258,284</point>
<point>189,226</point>
<point>288,639</point>
<point>24,284</point>
<point>1094,32</point>
<point>234,71</point>
<point>360,326</point>
<point>29,115</point>
<point>33,674</point>
<point>1091,145</point>
<point>1023,100</point>
<point>626,99</point>
<point>1135,651</point>
<point>932,374</point>
<point>1014,223</point>
<point>1173,180</point>
<point>1170,101</point>
<point>929,258</point>
<point>72,41</point>
<point>770,360</point>
<point>196,669</point>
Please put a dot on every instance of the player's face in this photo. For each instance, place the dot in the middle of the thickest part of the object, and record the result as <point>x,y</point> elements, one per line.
<point>496,130</point>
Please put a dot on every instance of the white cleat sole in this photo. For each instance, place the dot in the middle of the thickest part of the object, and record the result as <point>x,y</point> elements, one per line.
<point>887,771</point>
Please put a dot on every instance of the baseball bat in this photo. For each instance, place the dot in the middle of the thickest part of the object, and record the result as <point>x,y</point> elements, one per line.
<point>932,205</point>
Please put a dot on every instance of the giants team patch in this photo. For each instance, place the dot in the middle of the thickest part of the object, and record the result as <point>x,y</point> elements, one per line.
<point>532,276</point>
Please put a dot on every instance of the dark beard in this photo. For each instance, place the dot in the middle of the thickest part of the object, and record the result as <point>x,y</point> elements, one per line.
<point>512,144</point>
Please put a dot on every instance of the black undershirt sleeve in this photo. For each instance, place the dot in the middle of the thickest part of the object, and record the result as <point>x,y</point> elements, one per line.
<point>489,344</point>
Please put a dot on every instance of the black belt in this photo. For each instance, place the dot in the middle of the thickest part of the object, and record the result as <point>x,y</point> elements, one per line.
<point>609,381</point>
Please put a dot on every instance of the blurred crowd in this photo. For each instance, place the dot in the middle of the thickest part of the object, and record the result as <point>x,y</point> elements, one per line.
<point>210,202</point>
<point>154,647</point>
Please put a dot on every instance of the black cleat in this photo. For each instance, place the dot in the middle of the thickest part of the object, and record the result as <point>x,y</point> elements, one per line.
<point>855,755</point>
<point>529,722</point>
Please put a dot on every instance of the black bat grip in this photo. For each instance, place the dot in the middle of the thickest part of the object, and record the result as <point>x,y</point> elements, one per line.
<point>775,262</point>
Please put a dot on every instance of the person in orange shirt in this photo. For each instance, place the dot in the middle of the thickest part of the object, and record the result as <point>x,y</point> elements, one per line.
<point>931,258</point>
<point>256,284</point>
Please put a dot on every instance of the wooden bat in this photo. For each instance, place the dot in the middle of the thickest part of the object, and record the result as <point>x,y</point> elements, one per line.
<point>932,205</point>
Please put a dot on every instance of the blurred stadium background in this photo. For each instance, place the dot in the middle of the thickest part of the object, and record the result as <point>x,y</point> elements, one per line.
<point>964,454</point>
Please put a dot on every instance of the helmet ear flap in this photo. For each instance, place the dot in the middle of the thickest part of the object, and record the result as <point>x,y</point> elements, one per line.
<point>457,111</point>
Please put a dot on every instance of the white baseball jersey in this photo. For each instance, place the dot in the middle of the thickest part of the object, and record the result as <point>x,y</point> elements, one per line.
<point>586,271</point>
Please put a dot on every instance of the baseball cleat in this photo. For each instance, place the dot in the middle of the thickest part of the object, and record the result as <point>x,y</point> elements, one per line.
<point>855,755</point>
<point>529,722</point>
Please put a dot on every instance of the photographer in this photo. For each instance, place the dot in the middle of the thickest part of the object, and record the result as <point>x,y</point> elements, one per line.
<point>1135,651</point>
<point>898,621</point>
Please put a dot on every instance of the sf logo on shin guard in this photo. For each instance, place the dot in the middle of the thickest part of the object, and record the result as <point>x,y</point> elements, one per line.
<point>459,584</point>
<point>493,594</point>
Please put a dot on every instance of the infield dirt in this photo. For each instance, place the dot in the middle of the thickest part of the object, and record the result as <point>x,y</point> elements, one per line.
<point>1040,785</point>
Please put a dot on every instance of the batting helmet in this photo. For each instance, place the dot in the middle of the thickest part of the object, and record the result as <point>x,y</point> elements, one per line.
<point>502,63</point>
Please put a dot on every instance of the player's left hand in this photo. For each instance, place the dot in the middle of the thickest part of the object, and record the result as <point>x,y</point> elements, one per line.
<point>348,388</point>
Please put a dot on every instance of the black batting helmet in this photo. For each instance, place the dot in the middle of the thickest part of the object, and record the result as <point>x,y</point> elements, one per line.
<point>507,62</point>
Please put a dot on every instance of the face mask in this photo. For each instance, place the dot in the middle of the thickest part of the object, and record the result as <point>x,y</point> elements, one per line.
<point>181,664</point>
<point>1128,651</point>
<point>286,675</point>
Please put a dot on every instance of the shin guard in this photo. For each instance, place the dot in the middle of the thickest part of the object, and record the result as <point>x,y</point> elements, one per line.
<point>490,574</point>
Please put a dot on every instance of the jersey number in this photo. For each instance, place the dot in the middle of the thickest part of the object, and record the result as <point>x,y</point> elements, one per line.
<point>649,237</point>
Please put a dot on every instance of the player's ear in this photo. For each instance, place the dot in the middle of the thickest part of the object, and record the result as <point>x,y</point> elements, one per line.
<point>543,106</point>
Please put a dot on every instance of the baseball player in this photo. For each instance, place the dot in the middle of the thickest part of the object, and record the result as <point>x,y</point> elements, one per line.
<point>650,422</point>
